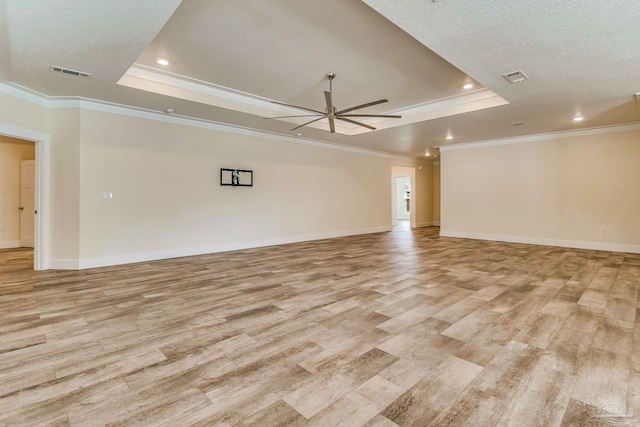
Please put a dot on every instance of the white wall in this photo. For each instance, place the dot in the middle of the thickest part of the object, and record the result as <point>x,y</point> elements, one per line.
<point>560,191</point>
<point>12,152</point>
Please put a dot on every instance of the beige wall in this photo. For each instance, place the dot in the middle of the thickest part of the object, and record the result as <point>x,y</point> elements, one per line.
<point>424,194</point>
<point>12,152</point>
<point>167,199</point>
<point>64,180</point>
<point>23,114</point>
<point>560,191</point>
<point>165,181</point>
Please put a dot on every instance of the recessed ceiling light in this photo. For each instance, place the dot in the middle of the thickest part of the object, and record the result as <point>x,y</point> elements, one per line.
<point>468,86</point>
<point>162,61</point>
<point>169,111</point>
<point>578,119</point>
<point>298,135</point>
<point>449,136</point>
<point>427,154</point>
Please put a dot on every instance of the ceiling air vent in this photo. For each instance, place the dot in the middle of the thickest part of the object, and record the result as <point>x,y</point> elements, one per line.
<point>70,71</point>
<point>515,76</point>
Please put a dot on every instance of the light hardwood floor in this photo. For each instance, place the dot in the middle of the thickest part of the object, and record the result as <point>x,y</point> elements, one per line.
<point>402,328</point>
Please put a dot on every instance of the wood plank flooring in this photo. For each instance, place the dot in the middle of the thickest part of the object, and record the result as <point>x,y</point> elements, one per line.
<point>393,329</point>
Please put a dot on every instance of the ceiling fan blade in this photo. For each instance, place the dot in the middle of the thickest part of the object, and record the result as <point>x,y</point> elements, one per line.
<point>354,122</point>
<point>371,115</point>
<point>308,123</point>
<point>332,126</point>
<point>327,97</point>
<point>295,106</point>
<point>368,104</point>
<point>286,117</point>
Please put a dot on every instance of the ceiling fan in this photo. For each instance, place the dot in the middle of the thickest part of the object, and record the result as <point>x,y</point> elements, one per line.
<point>332,113</point>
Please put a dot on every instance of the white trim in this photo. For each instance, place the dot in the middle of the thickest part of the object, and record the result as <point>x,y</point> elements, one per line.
<point>43,191</point>
<point>41,225</point>
<point>158,81</point>
<point>25,94</point>
<point>598,246</point>
<point>451,101</point>
<point>28,95</point>
<point>64,264</point>
<point>145,72</point>
<point>67,264</point>
<point>541,137</point>
<point>10,244</point>
<point>220,127</point>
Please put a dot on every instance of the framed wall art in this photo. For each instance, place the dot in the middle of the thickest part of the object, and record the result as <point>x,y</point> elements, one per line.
<point>236,177</point>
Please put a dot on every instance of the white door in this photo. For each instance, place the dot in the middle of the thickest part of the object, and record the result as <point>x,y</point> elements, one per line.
<point>27,210</point>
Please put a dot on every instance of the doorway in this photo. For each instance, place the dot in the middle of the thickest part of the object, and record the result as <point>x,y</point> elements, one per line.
<point>17,191</point>
<point>38,143</point>
<point>403,199</point>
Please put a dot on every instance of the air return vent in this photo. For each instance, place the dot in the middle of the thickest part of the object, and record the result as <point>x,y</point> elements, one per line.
<point>70,71</point>
<point>515,76</point>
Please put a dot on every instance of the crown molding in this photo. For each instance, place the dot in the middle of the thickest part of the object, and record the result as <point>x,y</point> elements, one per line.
<point>541,137</point>
<point>55,102</point>
<point>166,83</point>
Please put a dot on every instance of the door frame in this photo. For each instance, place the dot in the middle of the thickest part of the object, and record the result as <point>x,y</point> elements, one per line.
<point>41,190</point>
<point>410,171</point>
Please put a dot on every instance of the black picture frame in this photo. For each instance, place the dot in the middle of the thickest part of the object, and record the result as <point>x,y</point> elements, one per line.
<point>236,177</point>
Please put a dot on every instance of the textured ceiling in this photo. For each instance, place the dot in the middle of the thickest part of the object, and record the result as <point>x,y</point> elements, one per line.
<point>581,57</point>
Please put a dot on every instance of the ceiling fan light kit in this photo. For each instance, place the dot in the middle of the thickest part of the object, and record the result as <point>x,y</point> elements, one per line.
<point>331,113</point>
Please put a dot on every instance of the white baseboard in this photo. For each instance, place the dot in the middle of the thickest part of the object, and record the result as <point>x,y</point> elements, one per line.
<point>598,246</point>
<point>69,264</point>
<point>10,244</point>
<point>63,264</point>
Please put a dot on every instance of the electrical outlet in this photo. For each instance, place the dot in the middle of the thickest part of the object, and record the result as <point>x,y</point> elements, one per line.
<point>131,237</point>
<point>603,230</point>
<point>1,229</point>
